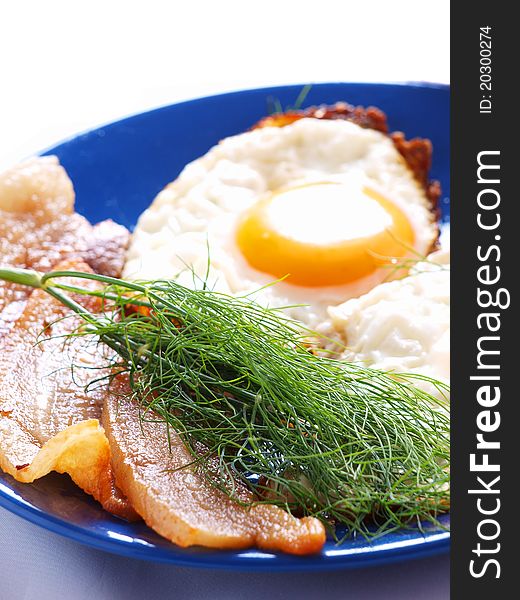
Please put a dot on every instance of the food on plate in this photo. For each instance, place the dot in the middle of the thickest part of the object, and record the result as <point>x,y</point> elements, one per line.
<point>323,204</point>
<point>274,359</point>
<point>52,390</point>
<point>178,502</point>
<point>239,379</point>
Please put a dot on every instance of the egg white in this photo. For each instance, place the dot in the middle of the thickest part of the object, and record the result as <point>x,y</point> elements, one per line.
<point>193,220</point>
<point>402,325</point>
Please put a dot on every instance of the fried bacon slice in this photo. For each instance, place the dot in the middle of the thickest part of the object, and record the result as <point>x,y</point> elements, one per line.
<point>49,418</point>
<point>39,228</point>
<point>416,152</point>
<point>47,421</point>
<point>155,471</point>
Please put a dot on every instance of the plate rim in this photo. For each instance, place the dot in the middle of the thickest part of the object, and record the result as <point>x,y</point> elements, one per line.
<point>156,109</point>
<point>432,545</point>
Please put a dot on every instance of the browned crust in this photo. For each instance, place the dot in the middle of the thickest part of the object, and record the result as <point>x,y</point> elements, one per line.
<point>35,379</point>
<point>106,247</point>
<point>416,152</point>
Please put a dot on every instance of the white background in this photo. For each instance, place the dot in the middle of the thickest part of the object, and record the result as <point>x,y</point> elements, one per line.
<point>68,66</point>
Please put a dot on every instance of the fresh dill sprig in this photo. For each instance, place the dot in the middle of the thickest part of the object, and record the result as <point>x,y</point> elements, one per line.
<point>275,106</point>
<point>318,436</point>
<point>404,264</point>
<point>298,103</point>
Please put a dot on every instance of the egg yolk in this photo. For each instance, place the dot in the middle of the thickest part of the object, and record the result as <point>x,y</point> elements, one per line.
<point>323,234</point>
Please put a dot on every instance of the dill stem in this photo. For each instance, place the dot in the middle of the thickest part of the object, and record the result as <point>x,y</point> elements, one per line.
<point>26,277</point>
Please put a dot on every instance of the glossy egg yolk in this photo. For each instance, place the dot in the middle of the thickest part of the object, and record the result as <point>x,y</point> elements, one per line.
<point>323,234</point>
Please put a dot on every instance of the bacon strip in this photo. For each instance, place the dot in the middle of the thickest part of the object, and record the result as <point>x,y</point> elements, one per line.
<point>49,418</point>
<point>152,467</point>
<point>48,421</point>
<point>39,228</point>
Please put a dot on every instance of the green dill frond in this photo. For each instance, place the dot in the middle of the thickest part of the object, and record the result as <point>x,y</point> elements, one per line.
<point>321,437</point>
<point>274,106</point>
<point>304,92</point>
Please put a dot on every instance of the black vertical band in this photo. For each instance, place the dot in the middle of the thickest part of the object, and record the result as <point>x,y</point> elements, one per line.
<point>485,225</point>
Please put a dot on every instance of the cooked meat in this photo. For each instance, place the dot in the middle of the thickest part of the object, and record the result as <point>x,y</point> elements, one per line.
<point>49,418</point>
<point>416,152</point>
<point>105,248</point>
<point>39,228</point>
<point>178,502</point>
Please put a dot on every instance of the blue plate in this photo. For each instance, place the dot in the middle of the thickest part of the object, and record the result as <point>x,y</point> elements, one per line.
<point>117,170</point>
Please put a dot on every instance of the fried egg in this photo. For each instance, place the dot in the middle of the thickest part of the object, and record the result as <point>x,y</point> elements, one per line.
<point>320,207</point>
<point>401,325</point>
